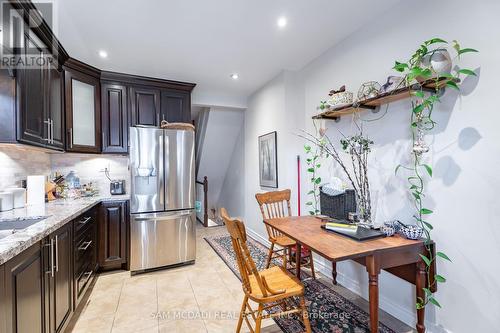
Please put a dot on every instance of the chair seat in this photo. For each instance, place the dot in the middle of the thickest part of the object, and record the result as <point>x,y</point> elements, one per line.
<point>284,241</point>
<point>277,279</point>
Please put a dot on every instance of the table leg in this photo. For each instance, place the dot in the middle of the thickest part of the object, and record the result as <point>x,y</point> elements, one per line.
<point>420,283</point>
<point>334,272</point>
<point>298,259</point>
<point>373,268</point>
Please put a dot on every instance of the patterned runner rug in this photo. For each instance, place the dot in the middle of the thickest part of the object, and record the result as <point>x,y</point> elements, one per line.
<point>328,310</point>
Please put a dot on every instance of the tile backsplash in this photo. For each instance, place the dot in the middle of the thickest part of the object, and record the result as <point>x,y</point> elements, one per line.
<point>90,168</point>
<point>17,162</point>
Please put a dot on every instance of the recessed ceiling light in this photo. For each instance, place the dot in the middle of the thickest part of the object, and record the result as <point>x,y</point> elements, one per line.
<point>103,54</point>
<point>234,76</point>
<point>282,21</point>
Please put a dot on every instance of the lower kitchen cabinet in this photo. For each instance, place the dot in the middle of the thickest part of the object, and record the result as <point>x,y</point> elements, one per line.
<point>24,292</point>
<point>59,279</point>
<point>41,287</point>
<point>112,235</point>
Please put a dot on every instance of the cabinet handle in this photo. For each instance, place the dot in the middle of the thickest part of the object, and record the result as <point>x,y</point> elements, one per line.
<point>57,254</point>
<point>51,258</point>
<point>48,130</point>
<point>86,246</point>
<point>70,138</point>
<point>85,220</point>
<point>52,131</point>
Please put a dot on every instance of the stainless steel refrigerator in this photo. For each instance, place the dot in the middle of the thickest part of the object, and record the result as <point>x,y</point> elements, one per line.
<point>162,231</point>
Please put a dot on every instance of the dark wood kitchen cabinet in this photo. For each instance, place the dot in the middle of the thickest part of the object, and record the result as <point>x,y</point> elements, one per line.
<point>176,106</point>
<point>112,234</point>
<point>114,118</point>
<point>23,303</point>
<point>145,106</point>
<point>40,100</point>
<point>83,108</point>
<point>59,280</point>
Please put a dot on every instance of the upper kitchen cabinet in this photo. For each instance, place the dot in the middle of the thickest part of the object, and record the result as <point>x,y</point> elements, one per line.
<point>114,118</point>
<point>32,99</point>
<point>150,100</point>
<point>145,106</point>
<point>176,106</point>
<point>83,108</point>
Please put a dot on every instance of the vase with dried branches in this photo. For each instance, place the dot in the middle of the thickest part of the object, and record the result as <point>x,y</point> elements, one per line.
<point>358,148</point>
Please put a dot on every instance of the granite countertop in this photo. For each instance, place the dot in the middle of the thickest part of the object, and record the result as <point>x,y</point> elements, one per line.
<point>58,213</point>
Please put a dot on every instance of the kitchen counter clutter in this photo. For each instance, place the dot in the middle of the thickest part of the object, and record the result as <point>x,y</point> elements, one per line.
<point>57,213</point>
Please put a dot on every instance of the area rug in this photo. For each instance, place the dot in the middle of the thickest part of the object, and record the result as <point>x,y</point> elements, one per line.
<point>328,310</point>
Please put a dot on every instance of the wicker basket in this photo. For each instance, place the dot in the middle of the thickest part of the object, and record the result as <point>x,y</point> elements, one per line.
<point>337,206</point>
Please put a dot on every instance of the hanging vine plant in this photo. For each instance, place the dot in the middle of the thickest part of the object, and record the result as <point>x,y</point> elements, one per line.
<point>423,66</point>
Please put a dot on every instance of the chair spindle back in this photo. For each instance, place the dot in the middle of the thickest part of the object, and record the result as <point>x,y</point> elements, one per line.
<point>246,265</point>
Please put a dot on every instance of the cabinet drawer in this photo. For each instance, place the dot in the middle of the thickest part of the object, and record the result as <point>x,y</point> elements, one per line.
<point>83,223</point>
<point>84,253</point>
<point>83,280</point>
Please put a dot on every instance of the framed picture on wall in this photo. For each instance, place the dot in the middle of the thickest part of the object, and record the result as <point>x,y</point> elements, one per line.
<point>268,160</point>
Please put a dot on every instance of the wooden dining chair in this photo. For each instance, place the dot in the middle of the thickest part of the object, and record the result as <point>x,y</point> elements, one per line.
<point>273,205</point>
<point>272,288</point>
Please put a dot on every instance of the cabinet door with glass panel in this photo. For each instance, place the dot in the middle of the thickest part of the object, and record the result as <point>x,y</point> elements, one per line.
<point>83,113</point>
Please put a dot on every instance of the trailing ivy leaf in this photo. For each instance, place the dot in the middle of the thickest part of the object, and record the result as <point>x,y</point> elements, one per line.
<point>452,84</point>
<point>427,291</point>
<point>416,195</point>
<point>456,46</point>
<point>428,225</point>
<point>425,211</point>
<point>434,301</point>
<point>439,278</point>
<point>426,73</point>
<point>418,93</point>
<point>445,76</point>
<point>442,255</point>
<point>309,203</point>
<point>425,259</point>
<point>400,67</point>
<point>413,187</point>
<point>307,148</point>
<point>467,72</point>
<point>435,40</point>
<point>311,212</point>
<point>318,180</point>
<point>310,192</point>
<point>308,160</point>
<point>429,169</point>
<point>414,124</point>
<point>310,170</point>
<point>318,165</point>
<point>419,108</point>
<point>466,50</point>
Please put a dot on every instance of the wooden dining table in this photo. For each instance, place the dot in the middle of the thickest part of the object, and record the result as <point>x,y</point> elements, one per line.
<point>396,255</point>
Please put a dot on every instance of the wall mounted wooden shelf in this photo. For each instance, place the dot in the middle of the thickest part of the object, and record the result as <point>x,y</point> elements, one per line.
<point>385,98</point>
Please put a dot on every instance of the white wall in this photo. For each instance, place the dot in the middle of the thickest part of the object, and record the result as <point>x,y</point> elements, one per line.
<point>232,192</point>
<point>222,130</point>
<point>463,192</point>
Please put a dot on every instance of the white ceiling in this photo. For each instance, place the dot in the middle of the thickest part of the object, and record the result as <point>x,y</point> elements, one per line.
<point>204,41</point>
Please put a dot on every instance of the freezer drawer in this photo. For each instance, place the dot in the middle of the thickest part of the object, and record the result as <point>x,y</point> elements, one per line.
<point>162,239</point>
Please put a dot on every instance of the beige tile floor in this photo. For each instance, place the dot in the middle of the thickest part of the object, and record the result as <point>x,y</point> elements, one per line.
<point>204,297</point>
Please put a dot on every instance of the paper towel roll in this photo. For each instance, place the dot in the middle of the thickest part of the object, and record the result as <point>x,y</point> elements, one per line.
<point>35,187</point>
